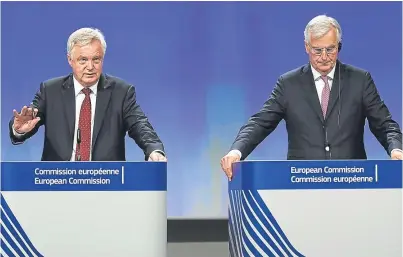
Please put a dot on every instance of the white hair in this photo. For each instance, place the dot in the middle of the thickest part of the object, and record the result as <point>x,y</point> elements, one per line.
<point>319,26</point>
<point>85,36</point>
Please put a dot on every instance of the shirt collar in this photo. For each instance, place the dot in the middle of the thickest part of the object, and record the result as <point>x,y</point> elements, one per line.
<point>316,74</point>
<point>78,87</point>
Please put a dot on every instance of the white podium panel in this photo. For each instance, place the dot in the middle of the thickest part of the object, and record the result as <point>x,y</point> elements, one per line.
<point>316,209</point>
<point>90,209</point>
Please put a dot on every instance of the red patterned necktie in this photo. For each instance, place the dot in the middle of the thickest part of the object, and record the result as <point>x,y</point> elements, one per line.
<point>85,128</point>
<point>325,95</point>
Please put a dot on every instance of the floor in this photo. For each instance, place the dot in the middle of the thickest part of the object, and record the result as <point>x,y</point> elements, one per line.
<point>198,249</point>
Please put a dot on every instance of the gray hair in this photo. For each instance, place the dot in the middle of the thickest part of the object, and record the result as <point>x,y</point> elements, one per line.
<point>85,36</point>
<point>319,26</point>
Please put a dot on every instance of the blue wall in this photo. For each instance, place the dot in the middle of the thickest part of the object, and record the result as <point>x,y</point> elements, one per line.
<point>201,69</point>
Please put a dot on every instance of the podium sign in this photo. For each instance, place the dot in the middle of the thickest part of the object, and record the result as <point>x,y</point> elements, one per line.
<point>316,208</point>
<point>83,209</point>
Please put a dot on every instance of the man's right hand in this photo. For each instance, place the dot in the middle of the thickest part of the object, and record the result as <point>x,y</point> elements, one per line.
<point>26,120</point>
<point>227,161</point>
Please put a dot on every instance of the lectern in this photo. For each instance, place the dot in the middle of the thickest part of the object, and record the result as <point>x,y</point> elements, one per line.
<point>316,208</point>
<point>83,209</point>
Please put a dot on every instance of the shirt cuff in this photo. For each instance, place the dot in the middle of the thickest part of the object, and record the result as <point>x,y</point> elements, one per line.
<point>236,152</point>
<point>158,151</point>
<point>17,134</point>
<point>399,150</point>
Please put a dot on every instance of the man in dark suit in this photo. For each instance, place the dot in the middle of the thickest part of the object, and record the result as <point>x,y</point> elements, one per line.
<point>87,113</point>
<point>324,104</point>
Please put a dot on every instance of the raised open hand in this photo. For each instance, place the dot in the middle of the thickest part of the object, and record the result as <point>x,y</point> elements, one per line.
<point>26,120</point>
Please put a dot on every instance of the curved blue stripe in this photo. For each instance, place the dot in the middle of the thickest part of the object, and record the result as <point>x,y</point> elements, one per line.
<point>5,248</point>
<point>237,200</point>
<point>266,224</point>
<point>250,247</point>
<point>13,232</point>
<point>233,220</point>
<point>259,228</point>
<point>239,218</point>
<point>233,240</point>
<point>14,220</point>
<point>11,242</point>
<point>266,210</point>
<point>256,239</point>
<point>232,244</point>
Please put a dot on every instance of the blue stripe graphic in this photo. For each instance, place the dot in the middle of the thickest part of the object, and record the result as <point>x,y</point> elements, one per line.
<point>233,235</point>
<point>266,211</point>
<point>13,232</point>
<point>6,224</point>
<point>260,243</point>
<point>250,204</point>
<point>4,248</point>
<point>11,242</point>
<point>260,234</point>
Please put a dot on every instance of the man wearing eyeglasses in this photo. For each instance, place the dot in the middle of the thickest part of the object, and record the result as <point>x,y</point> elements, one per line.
<point>324,104</point>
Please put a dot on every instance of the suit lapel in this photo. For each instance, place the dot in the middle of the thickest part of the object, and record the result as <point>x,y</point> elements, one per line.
<point>310,91</point>
<point>103,97</point>
<point>337,87</point>
<point>69,103</point>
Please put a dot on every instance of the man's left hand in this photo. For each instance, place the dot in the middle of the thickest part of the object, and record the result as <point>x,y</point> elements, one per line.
<point>396,155</point>
<point>157,157</point>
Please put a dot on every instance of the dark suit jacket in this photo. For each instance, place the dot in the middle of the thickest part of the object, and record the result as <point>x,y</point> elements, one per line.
<point>116,114</point>
<point>354,98</point>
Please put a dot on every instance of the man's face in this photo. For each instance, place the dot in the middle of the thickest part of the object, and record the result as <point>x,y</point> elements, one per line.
<point>323,52</point>
<point>86,62</point>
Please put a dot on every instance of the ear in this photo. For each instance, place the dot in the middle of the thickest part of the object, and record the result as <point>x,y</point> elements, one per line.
<point>307,49</point>
<point>70,60</point>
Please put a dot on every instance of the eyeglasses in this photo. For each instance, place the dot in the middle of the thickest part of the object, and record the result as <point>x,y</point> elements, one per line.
<point>319,50</point>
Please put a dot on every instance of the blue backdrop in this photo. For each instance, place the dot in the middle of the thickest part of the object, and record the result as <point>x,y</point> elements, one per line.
<point>201,69</point>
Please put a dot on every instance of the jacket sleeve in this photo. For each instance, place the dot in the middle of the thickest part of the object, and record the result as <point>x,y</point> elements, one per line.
<point>138,125</point>
<point>262,123</point>
<point>381,124</point>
